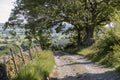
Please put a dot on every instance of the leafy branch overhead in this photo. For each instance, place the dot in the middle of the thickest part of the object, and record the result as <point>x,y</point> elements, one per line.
<point>38,17</point>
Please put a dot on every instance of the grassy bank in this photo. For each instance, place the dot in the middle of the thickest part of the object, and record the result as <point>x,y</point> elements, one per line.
<point>102,56</point>
<point>108,55</point>
<point>39,68</point>
<point>108,58</point>
<point>105,50</point>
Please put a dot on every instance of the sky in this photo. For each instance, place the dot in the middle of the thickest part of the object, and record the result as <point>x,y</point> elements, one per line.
<point>5,9</point>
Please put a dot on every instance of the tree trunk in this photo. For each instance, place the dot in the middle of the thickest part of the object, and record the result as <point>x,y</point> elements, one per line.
<point>88,39</point>
<point>79,39</point>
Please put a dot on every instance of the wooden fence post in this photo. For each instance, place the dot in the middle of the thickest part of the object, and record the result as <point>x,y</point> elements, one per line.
<point>21,54</point>
<point>30,54</point>
<point>15,66</point>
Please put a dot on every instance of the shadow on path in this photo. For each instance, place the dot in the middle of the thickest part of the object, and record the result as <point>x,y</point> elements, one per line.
<point>89,76</point>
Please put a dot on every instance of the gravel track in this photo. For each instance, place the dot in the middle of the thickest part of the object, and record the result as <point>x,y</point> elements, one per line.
<point>76,67</point>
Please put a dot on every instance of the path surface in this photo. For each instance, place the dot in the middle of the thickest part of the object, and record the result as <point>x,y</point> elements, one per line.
<point>75,67</point>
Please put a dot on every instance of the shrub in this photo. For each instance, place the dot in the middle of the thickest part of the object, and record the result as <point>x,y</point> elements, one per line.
<point>106,50</point>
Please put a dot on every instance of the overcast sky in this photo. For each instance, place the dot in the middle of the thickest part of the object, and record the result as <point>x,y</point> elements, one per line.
<point>5,9</point>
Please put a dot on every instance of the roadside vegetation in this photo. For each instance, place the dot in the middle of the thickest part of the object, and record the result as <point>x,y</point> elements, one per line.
<point>106,49</point>
<point>39,68</point>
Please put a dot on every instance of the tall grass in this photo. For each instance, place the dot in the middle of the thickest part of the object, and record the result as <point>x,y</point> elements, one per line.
<point>106,50</point>
<point>39,68</point>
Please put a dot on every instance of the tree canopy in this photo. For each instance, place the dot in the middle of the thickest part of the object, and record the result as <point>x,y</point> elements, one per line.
<point>39,16</point>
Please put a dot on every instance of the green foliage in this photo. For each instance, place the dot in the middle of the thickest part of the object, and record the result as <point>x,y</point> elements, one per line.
<point>25,45</point>
<point>41,16</point>
<point>12,32</point>
<point>73,50</point>
<point>4,50</point>
<point>39,68</point>
<point>106,50</point>
<point>59,41</point>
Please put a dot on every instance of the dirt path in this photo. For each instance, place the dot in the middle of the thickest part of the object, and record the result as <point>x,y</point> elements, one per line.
<point>75,67</point>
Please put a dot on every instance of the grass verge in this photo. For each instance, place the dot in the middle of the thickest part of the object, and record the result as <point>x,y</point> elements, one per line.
<point>102,56</point>
<point>39,68</point>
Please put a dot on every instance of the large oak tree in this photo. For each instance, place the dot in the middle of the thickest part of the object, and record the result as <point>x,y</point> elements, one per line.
<point>85,15</point>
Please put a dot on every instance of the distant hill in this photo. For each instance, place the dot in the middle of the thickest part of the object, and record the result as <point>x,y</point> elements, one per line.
<point>18,30</point>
